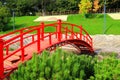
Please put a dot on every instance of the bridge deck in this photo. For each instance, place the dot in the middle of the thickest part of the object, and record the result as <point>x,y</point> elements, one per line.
<point>64,34</point>
<point>13,61</point>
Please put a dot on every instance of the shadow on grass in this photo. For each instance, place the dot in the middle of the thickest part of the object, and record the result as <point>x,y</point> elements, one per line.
<point>10,27</point>
<point>108,28</point>
<point>91,16</point>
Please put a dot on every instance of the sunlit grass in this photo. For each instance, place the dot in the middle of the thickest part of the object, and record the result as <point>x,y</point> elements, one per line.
<point>93,25</point>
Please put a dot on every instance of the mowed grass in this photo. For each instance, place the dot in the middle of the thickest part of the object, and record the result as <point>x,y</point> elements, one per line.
<point>93,25</point>
<point>21,22</point>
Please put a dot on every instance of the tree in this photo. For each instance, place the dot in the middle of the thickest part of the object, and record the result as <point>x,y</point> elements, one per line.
<point>85,6</point>
<point>4,16</point>
<point>22,7</point>
<point>96,5</point>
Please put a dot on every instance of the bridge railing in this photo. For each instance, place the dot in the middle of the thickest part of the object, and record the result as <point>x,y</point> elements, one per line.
<point>38,35</point>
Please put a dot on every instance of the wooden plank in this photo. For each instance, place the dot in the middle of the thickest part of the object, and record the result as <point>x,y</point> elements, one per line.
<point>13,58</point>
<point>7,64</point>
<point>19,54</point>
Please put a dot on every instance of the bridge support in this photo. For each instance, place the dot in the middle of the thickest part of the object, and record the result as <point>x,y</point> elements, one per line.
<point>1,59</point>
<point>80,32</point>
<point>64,35</point>
<point>59,30</point>
<point>42,32</point>
<point>38,37</point>
<point>22,45</point>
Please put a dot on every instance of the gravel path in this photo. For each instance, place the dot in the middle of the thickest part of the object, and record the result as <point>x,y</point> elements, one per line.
<point>115,16</point>
<point>106,43</point>
<point>52,18</point>
<point>101,43</point>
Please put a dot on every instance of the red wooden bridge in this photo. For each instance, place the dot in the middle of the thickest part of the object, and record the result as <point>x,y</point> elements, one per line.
<point>39,40</point>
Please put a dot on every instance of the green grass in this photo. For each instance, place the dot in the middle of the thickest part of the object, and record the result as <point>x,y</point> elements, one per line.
<point>21,22</point>
<point>94,25</point>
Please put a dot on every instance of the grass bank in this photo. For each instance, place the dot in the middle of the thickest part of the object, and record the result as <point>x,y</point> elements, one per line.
<point>94,24</point>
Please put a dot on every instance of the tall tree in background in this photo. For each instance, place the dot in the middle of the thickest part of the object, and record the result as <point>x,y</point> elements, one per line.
<point>4,16</point>
<point>96,5</point>
<point>22,7</point>
<point>85,6</point>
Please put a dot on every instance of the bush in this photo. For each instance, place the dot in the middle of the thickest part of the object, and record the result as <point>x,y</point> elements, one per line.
<point>4,16</point>
<point>108,68</point>
<point>56,66</point>
<point>67,66</point>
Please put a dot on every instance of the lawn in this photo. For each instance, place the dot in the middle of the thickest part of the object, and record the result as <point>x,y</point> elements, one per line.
<point>21,22</point>
<point>93,25</point>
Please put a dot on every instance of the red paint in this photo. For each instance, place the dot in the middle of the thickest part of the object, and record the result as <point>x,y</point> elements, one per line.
<point>41,41</point>
<point>59,30</point>
<point>1,59</point>
<point>42,27</point>
<point>38,39</point>
<point>21,45</point>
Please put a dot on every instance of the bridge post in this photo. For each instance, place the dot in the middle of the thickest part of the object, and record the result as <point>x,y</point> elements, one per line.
<point>50,40</point>
<point>21,45</point>
<point>72,35</point>
<point>80,32</point>
<point>42,32</point>
<point>38,38</point>
<point>1,59</point>
<point>66,33</point>
<point>59,30</point>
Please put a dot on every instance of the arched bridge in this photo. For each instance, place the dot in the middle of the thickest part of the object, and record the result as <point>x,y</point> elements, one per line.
<point>14,47</point>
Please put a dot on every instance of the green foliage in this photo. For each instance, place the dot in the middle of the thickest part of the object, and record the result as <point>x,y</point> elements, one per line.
<point>22,7</point>
<point>94,25</point>
<point>112,26</point>
<point>67,66</point>
<point>85,6</point>
<point>4,16</point>
<point>107,69</point>
<point>31,7</point>
<point>56,66</point>
<point>25,7</point>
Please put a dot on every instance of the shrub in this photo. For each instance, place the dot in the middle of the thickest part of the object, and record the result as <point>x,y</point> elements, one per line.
<point>107,69</point>
<point>4,16</point>
<point>56,66</point>
<point>67,66</point>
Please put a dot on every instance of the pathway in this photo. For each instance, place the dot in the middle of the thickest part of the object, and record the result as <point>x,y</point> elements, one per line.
<point>115,16</point>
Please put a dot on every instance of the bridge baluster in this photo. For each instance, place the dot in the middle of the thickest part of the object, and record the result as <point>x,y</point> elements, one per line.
<point>33,38</point>
<point>22,44</point>
<point>1,59</point>
<point>50,39</point>
<point>80,32</point>
<point>42,27</point>
<point>66,33</point>
<point>56,33</point>
<point>72,34</point>
<point>38,37</point>
<point>7,49</point>
<point>59,30</point>
<point>87,38</point>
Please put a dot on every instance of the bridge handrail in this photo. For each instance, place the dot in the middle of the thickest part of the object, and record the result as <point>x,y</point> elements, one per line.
<point>36,27</point>
<point>80,27</point>
<point>18,31</point>
<point>40,31</point>
<point>47,25</point>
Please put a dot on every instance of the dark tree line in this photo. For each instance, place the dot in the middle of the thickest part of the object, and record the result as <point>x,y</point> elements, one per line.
<point>30,7</point>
